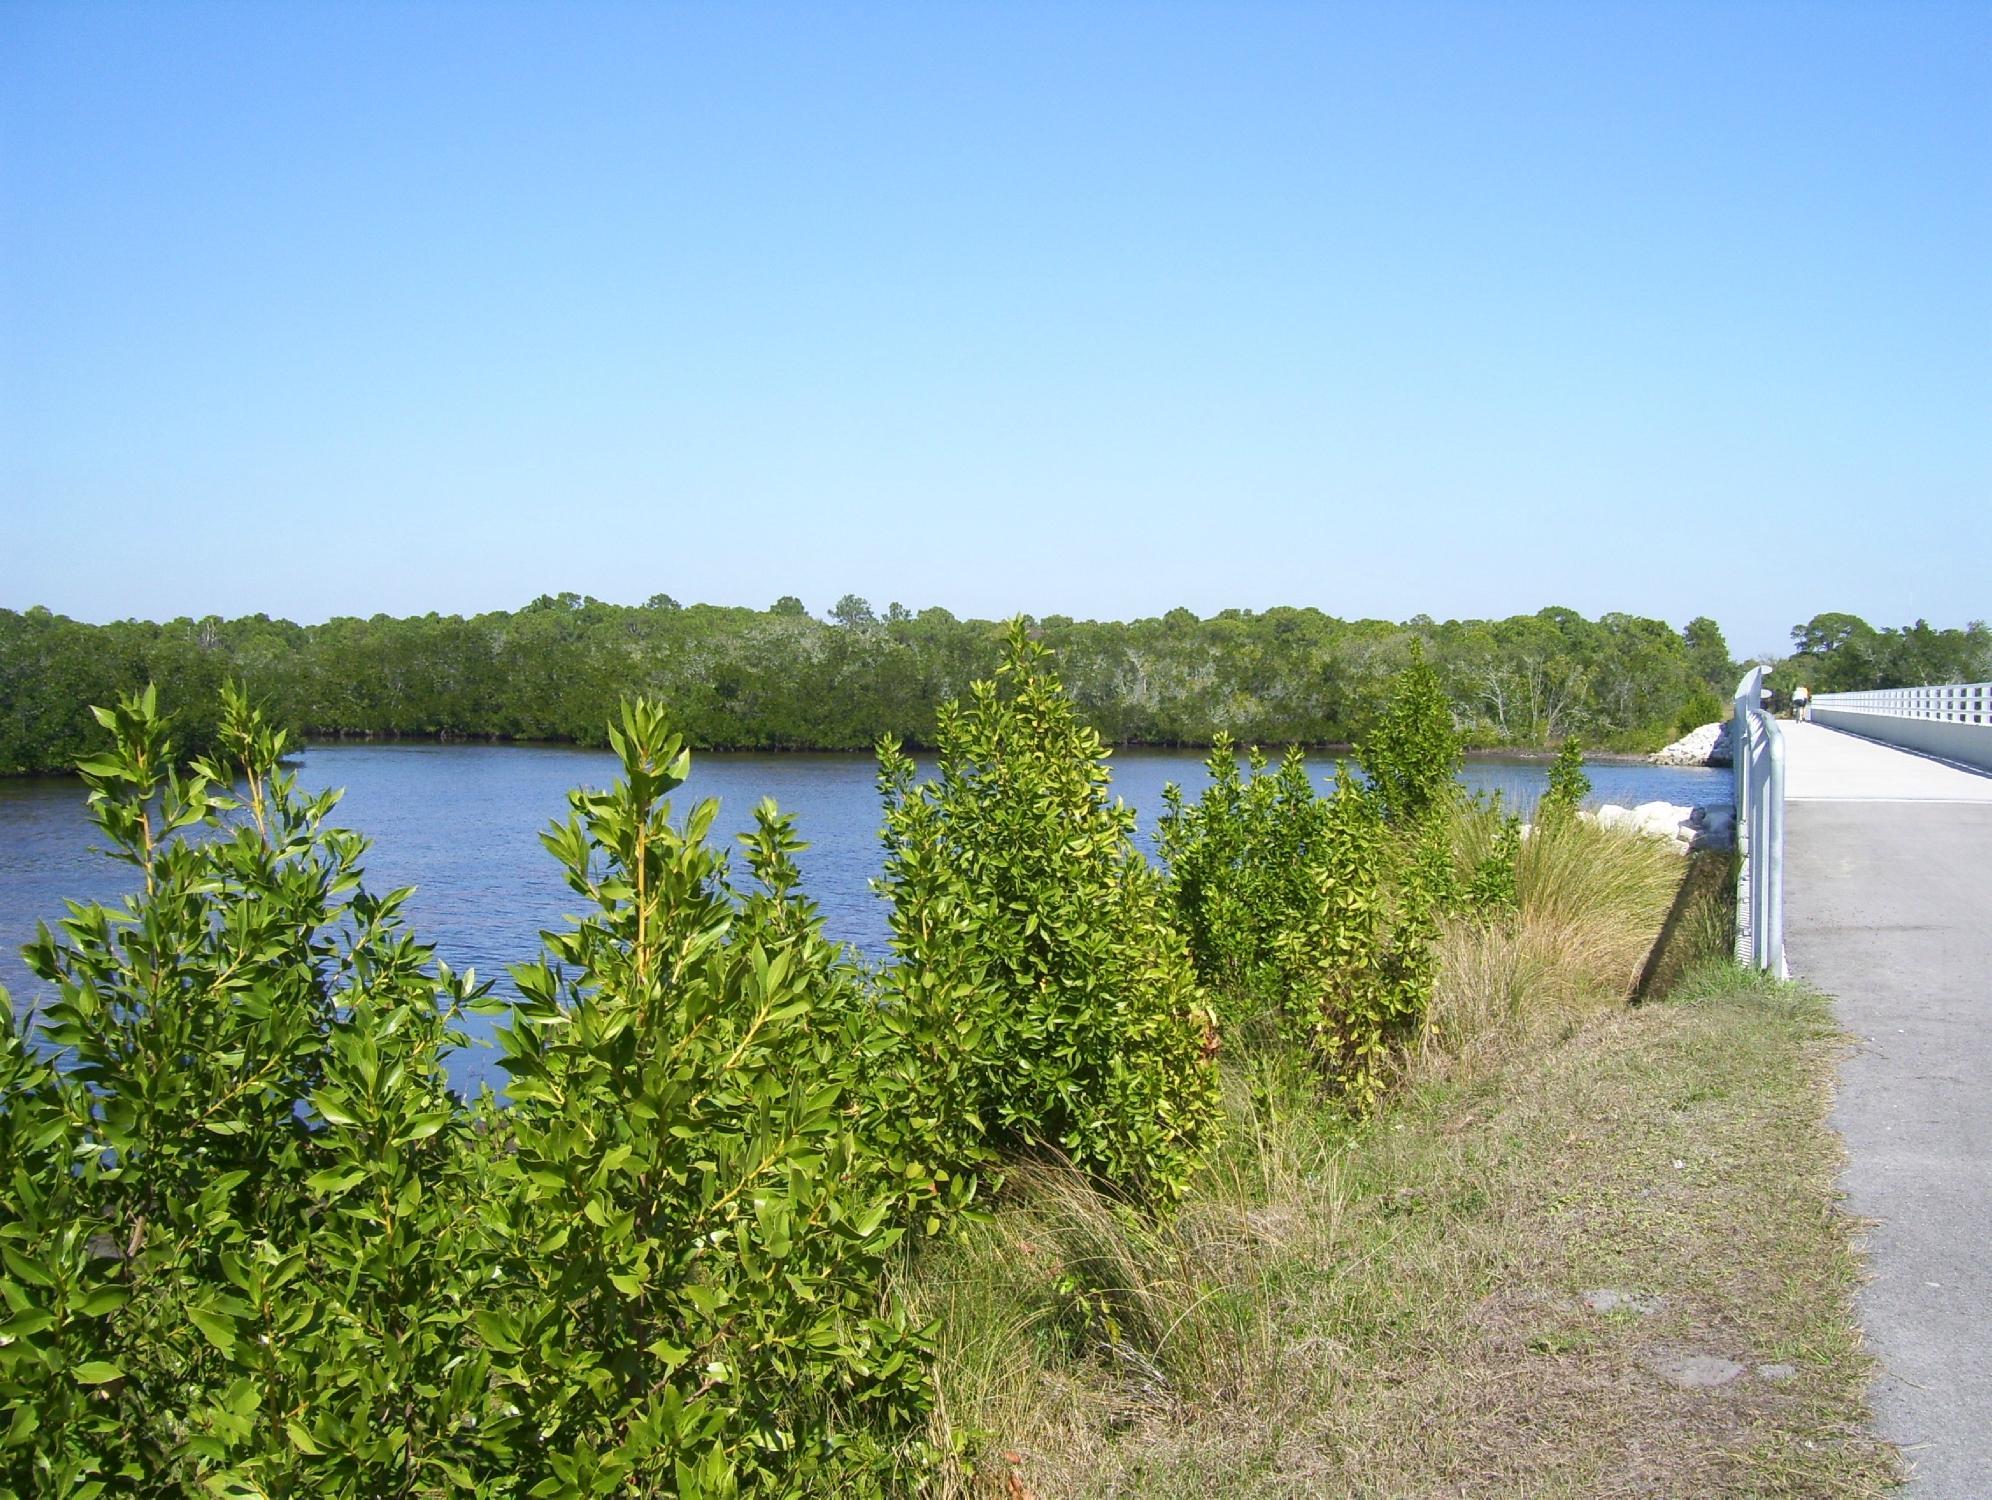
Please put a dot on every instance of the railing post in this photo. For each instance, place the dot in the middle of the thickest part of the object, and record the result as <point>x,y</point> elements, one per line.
<point>1774,850</point>
<point>1757,756</point>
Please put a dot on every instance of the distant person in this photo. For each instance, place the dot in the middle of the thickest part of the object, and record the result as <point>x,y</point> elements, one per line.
<point>1801,704</point>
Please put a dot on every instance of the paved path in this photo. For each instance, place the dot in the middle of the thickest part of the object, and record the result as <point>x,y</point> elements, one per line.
<point>1888,903</point>
<point>1830,765</point>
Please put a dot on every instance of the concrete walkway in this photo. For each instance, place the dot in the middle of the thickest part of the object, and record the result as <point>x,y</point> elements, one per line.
<point>1888,899</point>
<point>1830,765</point>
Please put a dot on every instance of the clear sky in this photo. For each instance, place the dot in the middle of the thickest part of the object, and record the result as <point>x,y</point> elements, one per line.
<point>1082,309</point>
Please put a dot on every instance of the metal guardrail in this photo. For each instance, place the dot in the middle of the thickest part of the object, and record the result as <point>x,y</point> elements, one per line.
<point>1758,755</point>
<point>1953,721</point>
<point>1950,703</point>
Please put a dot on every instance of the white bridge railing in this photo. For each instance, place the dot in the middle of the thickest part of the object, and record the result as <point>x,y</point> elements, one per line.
<point>1953,721</point>
<point>1758,754</point>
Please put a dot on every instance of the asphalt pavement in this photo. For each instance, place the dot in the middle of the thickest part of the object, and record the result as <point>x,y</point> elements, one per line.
<point>1888,900</point>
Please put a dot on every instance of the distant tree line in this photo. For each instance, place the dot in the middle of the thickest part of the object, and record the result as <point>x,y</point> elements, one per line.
<point>781,678</point>
<point>1836,653</point>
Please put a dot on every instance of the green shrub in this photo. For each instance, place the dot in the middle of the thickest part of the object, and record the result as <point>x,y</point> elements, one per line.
<point>1494,839</point>
<point>1017,889</point>
<point>251,1244</point>
<point>237,1256</point>
<point>1323,914</point>
<point>1703,707</point>
<point>1237,860</point>
<point>694,1233</point>
<point>1412,752</point>
<point>1359,964</point>
<point>1568,785</point>
<point>925,1071</point>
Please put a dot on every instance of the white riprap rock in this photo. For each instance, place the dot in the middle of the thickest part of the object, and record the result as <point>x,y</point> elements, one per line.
<point>1687,828</point>
<point>1706,746</point>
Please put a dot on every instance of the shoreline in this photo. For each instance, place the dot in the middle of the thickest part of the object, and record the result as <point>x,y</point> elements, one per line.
<point>1331,751</point>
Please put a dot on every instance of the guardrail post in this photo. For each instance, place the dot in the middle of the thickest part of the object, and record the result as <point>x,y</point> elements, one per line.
<point>1774,850</point>
<point>1757,756</point>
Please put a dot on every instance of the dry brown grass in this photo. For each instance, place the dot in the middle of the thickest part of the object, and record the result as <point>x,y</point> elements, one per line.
<point>1592,902</point>
<point>1396,1308</point>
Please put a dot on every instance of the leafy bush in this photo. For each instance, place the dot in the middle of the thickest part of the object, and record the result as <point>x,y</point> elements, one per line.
<point>233,1236</point>
<point>1324,913</point>
<point>252,1245</point>
<point>1017,888</point>
<point>694,1232</point>
<point>1496,840</point>
<point>1358,963</point>
<point>1238,862</point>
<point>1702,707</point>
<point>1568,785</point>
<point>1412,752</point>
<point>925,1075</point>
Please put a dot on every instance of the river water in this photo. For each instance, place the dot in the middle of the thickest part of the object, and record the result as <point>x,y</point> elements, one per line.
<point>461,824</point>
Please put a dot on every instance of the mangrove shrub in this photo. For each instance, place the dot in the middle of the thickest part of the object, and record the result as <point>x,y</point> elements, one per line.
<point>692,1229</point>
<point>1017,885</point>
<point>237,1254</point>
<point>1238,860</point>
<point>251,1244</point>
<point>1411,754</point>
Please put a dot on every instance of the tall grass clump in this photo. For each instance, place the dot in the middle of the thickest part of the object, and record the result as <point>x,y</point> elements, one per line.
<point>1064,1321</point>
<point>1589,904</point>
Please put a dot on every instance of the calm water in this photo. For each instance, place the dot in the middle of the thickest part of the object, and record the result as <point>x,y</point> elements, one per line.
<point>461,824</point>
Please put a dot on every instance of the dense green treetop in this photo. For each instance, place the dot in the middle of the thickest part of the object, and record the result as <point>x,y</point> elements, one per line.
<point>780,678</point>
<point>1839,653</point>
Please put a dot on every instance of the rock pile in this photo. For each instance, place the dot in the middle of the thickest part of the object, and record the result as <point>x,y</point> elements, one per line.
<point>1690,828</point>
<point>1706,746</point>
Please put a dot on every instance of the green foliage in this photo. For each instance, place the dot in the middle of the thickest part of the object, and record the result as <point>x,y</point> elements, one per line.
<point>1017,890</point>
<point>251,1244</point>
<point>1490,889</point>
<point>1360,963</point>
<point>1838,653</point>
<point>1700,707</point>
<point>694,1229</point>
<point>1412,752</point>
<point>1568,785</point>
<point>925,1079</point>
<point>781,678</point>
<point>1323,914</point>
<point>1238,863</point>
<point>232,1238</point>
<point>1708,655</point>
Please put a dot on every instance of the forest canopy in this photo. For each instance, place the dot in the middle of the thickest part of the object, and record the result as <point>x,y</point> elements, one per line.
<point>783,679</point>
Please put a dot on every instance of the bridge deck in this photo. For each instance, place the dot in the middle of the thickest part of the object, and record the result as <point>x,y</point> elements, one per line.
<point>1888,907</point>
<point>1830,765</point>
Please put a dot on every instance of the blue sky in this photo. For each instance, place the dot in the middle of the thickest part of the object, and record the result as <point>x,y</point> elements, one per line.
<point>1084,309</point>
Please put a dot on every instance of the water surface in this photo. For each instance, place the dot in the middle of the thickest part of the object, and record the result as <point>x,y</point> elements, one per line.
<point>461,824</point>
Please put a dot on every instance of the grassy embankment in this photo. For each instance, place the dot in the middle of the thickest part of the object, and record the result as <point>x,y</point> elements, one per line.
<point>1413,1305</point>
